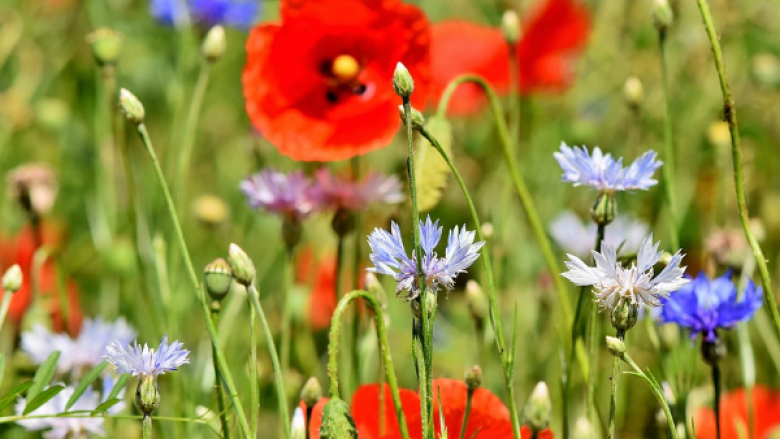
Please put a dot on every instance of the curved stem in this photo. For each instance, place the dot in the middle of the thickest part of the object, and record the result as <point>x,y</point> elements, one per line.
<point>223,366</point>
<point>522,191</point>
<point>671,426</point>
<point>384,348</point>
<point>190,127</point>
<point>147,427</point>
<point>716,401</point>
<point>730,116</point>
<point>668,168</point>
<point>281,395</point>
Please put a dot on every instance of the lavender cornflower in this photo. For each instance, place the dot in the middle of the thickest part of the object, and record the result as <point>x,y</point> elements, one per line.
<point>575,237</point>
<point>235,13</point>
<point>336,194</point>
<point>146,362</point>
<point>705,305</point>
<point>389,257</point>
<point>602,172</point>
<point>288,195</point>
<point>636,285</point>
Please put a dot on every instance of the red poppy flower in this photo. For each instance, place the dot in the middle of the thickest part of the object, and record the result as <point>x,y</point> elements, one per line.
<point>318,85</point>
<point>489,418</point>
<point>21,250</point>
<point>551,38</point>
<point>734,413</point>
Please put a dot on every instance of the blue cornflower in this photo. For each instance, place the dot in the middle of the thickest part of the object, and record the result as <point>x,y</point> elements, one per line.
<point>705,305</point>
<point>602,172</point>
<point>146,362</point>
<point>235,13</point>
<point>389,257</point>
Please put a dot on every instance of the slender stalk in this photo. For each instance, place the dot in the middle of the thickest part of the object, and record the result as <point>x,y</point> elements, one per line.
<point>384,349</point>
<point>309,411</point>
<point>716,400</point>
<point>668,168</point>
<point>215,310</point>
<point>522,191</point>
<point>621,335</point>
<point>593,331</point>
<point>286,325</point>
<point>338,280</point>
<point>487,266</point>
<point>182,243</point>
<point>514,93</point>
<point>7,295</point>
<point>254,397</point>
<point>730,116</point>
<point>659,396</point>
<point>466,414</point>
<point>190,127</point>
<point>284,414</point>
<point>147,427</point>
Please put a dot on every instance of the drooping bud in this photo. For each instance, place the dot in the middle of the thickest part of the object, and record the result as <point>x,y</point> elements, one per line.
<point>34,186</point>
<point>376,289</point>
<point>147,395</point>
<point>403,84</point>
<point>243,268</point>
<point>311,392</point>
<point>418,120</point>
<point>624,315</point>
<point>583,429</point>
<point>12,279</point>
<point>478,306</point>
<point>337,423</point>
<point>217,277</point>
<point>131,107</point>
<point>604,209</point>
<point>538,409</point>
<point>615,346</point>
<point>292,230</point>
<point>298,427</point>
<point>510,27</point>
<point>662,14</point>
<point>474,378</point>
<point>713,351</point>
<point>633,92</point>
<point>106,45</point>
<point>214,44</point>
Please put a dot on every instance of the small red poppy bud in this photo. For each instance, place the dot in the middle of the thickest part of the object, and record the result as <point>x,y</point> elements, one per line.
<point>403,84</point>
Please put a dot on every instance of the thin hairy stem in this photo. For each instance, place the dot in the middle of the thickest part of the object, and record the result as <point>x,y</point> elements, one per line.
<point>146,427</point>
<point>466,414</point>
<point>621,335</point>
<point>668,168</point>
<point>215,310</point>
<point>593,332</point>
<point>254,392</point>
<point>657,392</point>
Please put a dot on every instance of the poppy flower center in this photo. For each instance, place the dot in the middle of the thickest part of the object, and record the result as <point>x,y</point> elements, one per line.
<point>345,68</point>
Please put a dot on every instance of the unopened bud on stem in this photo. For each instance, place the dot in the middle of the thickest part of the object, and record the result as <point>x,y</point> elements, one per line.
<point>418,120</point>
<point>147,395</point>
<point>214,44</point>
<point>217,277</point>
<point>337,423</point>
<point>633,92</point>
<point>131,107</point>
<point>538,409</point>
<point>403,84</point>
<point>662,15</point>
<point>243,268</point>
<point>616,347</point>
<point>510,27</point>
<point>474,378</point>
<point>12,279</point>
<point>106,44</point>
<point>311,392</point>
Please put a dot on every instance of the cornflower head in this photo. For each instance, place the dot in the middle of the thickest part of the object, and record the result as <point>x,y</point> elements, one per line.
<point>235,13</point>
<point>703,306</point>
<point>336,193</point>
<point>617,287</point>
<point>389,257</point>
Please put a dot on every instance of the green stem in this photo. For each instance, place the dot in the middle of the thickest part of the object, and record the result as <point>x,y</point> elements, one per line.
<point>190,127</point>
<point>514,93</point>
<point>147,427</point>
<point>254,397</point>
<point>621,335</point>
<point>338,280</point>
<point>657,392</point>
<point>593,331</point>
<point>522,191</point>
<point>286,324</point>
<point>384,348</point>
<point>487,266</point>
<point>284,415</point>
<point>223,366</point>
<point>716,401</point>
<point>215,310</point>
<point>730,116</point>
<point>668,168</point>
<point>466,414</point>
<point>7,295</point>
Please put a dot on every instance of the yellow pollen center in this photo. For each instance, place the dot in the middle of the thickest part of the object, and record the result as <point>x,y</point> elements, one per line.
<point>345,68</point>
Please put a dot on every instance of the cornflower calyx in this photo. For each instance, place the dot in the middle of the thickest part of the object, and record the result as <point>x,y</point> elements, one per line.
<point>243,268</point>
<point>147,395</point>
<point>217,277</point>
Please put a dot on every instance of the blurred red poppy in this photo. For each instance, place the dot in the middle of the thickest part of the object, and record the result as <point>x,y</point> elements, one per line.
<point>489,418</point>
<point>318,85</point>
<point>21,250</point>
<point>734,415</point>
<point>551,38</point>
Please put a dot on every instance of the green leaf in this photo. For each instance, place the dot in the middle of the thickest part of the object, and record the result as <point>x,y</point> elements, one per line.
<point>107,405</point>
<point>430,169</point>
<point>41,399</point>
<point>121,383</point>
<point>44,375</point>
<point>85,382</point>
<point>11,396</point>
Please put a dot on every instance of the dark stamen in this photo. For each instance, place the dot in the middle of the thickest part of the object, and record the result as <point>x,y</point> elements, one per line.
<point>331,96</point>
<point>359,89</point>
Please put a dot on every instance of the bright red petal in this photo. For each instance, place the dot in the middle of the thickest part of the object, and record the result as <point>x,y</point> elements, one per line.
<point>489,417</point>
<point>316,417</point>
<point>365,411</point>
<point>526,433</point>
<point>323,298</point>
<point>733,408</point>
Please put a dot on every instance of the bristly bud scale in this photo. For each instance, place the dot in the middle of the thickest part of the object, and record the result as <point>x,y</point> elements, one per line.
<point>337,423</point>
<point>538,409</point>
<point>418,120</point>
<point>474,378</point>
<point>217,277</point>
<point>131,107</point>
<point>12,279</point>
<point>662,15</point>
<point>625,315</point>
<point>311,392</point>
<point>633,92</point>
<point>615,346</point>
<point>510,27</point>
<point>243,268</point>
<point>604,209</point>
<point>106,45</point>
<point>214,44</point>
<point>147,395</point>
<point>403,84</point>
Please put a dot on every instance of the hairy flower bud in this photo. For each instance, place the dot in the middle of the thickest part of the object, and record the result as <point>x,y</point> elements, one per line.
<point>662,14</point>
<point>624,315</point>
<point>217,277</point>
<point>538,409</point>
<point>510,27</point>
<point>478,305</point>
<point>418,120</point>
<point>633,92</point>
<point>376,289</point>
<point>131,107</point>
<point>616,347</point>
<point>214,44</point>
<point>311,392</point>
<point>474,378</point>
<point>243,268</point>
<point>12,279</point>
<point>337,423</point>
<point>106,45</point>
<point>604,209</point>
<point>147,395</point>
<point>403,84</point>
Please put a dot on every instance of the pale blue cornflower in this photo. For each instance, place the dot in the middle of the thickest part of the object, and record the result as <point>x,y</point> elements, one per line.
<point>638,285</point>
<point>389,257</point>
<point>336,193</point>
<point>288,195</point>
<point>602,172</point>
<point>235,13</point>
<point>146,362</point>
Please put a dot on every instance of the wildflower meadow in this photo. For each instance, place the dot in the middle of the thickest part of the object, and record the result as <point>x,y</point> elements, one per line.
<point>389,219</point>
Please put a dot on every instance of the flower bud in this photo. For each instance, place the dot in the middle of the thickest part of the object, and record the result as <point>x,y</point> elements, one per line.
<point>242,266</point>
<point>292,230</point>
<point>106,44</point>
<point>298,427</point>
<point>418,120</point>
<point>510,27</point>
<point>147,395</point>
<point>662,15</point>
<point>633,92</point>
<point>403,84</point>
<point>616,346</point>
<point>12,279</point>
<point>376,289</point>
<point>311,392</point>
<point>538,409</point>
<point>474,378</point>
<point>214,44</point>
<point>583,429</point>
<point>131,107</point>
<point>217,277</point>
<point>604,208</point>
<point>713,351</point>
<point>34,186</point>
<point>624,315</point>
<point>337,423</point>
<point>478,305</point>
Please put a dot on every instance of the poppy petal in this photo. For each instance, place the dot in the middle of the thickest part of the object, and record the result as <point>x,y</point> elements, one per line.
<point>489,417</point>
<point>365,411</point>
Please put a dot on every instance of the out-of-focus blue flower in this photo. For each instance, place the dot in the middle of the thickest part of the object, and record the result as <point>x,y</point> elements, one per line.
<point>235,13</point>
<point>602,172</point>
<point>334,193</point>
<point>705,305</point>
<point>638,283</point>
<point>146,361</point>
<point>288,195</point>
<point>577,238</point>
<point>389,257</point>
